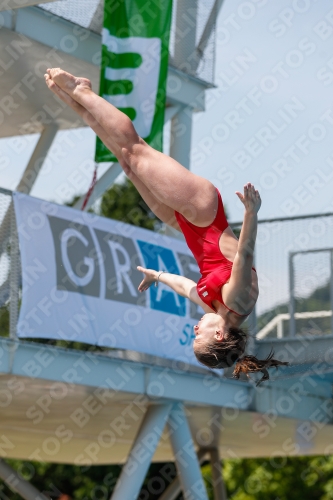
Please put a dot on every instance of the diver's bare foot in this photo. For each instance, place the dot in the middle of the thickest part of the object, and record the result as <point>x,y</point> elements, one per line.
<point>70,84</point>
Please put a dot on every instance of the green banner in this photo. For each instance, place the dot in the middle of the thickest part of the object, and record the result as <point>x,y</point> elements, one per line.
<point>134,67</point>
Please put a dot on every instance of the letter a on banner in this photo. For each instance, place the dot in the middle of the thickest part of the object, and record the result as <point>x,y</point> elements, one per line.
<point>134,65</point>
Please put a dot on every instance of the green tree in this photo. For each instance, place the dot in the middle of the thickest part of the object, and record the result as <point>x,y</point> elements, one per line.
<point>278,478</point>
<point>84,483</point>
<point>123,202</point>
<point>80,483</point>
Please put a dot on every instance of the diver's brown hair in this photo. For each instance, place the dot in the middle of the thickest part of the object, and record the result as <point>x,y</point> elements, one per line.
<point>224,354</point>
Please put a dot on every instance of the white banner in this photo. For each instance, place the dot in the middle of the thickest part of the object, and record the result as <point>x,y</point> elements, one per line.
<point>80,282</point>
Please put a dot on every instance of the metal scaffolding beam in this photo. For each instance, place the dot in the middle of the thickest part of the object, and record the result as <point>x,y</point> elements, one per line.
<point>174,489</point>
<point>185,456</point>
<point>102,185</point>
<point>37,158</point>
<point>134,471</point>
<point>16,483</point>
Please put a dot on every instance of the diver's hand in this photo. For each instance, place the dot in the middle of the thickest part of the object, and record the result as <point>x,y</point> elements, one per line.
<point>250,199</point>
<point>149,279</point>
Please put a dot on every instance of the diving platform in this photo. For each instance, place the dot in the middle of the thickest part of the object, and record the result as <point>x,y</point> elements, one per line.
<point>70,406</point>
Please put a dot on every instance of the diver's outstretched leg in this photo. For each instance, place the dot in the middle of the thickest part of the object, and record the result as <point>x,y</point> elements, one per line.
<point>162,211</point>
<point>172,184</point>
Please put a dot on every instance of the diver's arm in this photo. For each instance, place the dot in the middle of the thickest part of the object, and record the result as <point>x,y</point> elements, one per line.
<point>252,202</point>
<point>248,236</point>
<point>245,251</point>
<point>183,286</point>
<point>242,266</point>
<point>178,284</point>
<point>238,292</point>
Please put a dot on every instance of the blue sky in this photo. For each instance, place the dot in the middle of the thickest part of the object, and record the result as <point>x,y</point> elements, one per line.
<point>269,121</point>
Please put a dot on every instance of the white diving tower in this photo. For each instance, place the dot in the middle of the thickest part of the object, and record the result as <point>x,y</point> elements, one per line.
<point>69,406</point>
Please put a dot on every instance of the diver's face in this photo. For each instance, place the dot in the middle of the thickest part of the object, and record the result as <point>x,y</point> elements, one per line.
<point>210,325</point>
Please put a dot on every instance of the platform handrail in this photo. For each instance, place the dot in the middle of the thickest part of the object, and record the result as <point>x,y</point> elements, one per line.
<point>277,321</point>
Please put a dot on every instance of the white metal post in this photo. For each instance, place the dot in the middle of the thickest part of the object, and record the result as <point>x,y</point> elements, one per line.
<point>18,484</point>
<point>174,489</point>
<point>181,137</point>
<point>134,471</point>
<point>37,159</point>
<point>292,322</point>
<point>185,456</point>
<point>101,186</point>
<point>280,329</point>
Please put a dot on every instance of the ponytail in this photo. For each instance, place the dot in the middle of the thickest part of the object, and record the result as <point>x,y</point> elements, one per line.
<point>251,364</point>
<point>224,354</point>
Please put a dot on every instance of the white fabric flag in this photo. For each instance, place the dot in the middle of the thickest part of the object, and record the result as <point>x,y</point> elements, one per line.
<point>80,282</point>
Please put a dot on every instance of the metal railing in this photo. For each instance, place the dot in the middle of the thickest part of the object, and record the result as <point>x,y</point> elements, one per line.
<point>277,322</point>
<point>292,305</point>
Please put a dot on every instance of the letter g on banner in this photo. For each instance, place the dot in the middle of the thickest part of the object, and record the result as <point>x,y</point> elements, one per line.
<point>77,265</point>
<point>87,261</point>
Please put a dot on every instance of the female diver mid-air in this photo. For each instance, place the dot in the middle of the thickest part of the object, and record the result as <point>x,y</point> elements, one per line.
<point>228,288</point>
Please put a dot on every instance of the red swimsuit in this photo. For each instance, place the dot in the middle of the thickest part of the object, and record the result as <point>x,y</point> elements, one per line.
<point>214,267</point>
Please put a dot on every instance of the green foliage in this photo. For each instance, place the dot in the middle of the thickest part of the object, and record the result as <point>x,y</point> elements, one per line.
<point>85,483</point>
<point>278,478</point>
<point>80,483</point>
<point>123,202</point>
